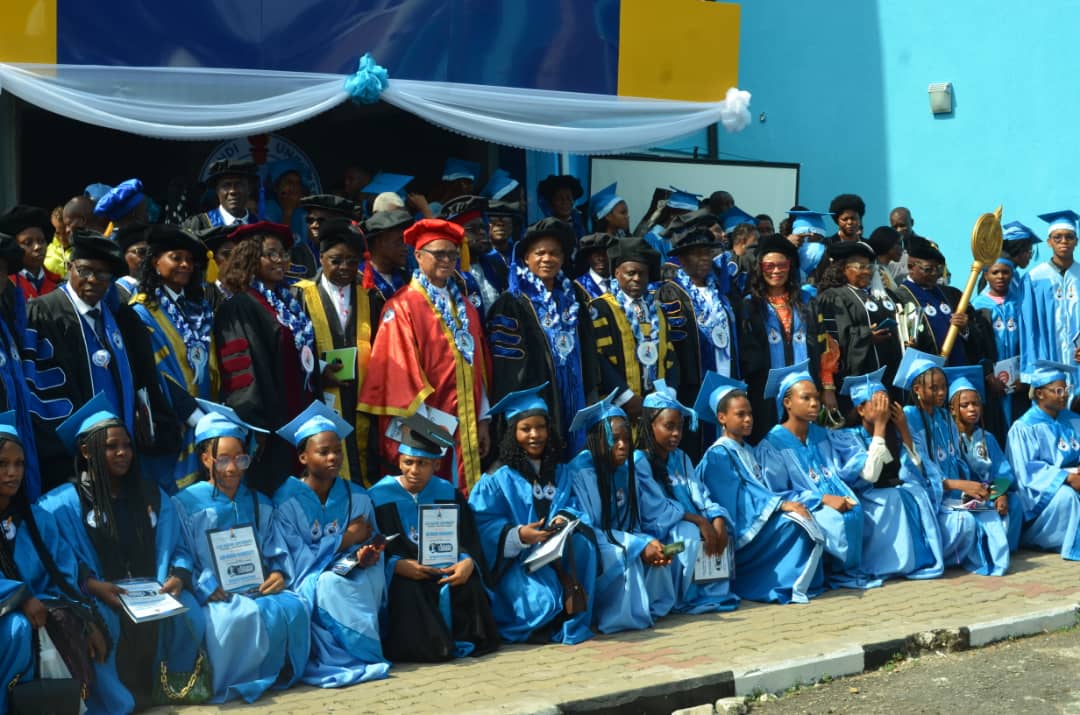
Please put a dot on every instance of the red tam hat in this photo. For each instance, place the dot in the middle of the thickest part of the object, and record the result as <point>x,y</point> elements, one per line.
<point>263,228</point>
<point>427,230</point>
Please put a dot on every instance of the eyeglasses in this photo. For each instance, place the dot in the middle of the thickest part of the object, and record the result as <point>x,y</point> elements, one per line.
<point>443,256</point>
<point>775,266</point>
<point>1056,391</point>
<point>925,267</point>
<point>1068,238</point>
<point>275,256</point>
<point>86,273</point>
<point>859,266</point>
<point>336,261</point>
<point>313,219</point>
<point>242,461</point>
<point>139,251</point>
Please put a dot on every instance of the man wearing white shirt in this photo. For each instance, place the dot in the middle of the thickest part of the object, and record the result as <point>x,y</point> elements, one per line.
<point>233,181</point>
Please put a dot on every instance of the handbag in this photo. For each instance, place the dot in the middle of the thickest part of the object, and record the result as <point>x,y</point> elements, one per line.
<point>189,688</point>
<point>47,696</point>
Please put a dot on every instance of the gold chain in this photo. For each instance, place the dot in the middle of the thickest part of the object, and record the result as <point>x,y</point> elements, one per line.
<point>183,693</point>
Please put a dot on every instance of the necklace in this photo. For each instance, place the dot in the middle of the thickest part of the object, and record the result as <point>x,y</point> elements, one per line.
<point>455,317</point>
<point>559,325</point>
<point>648,351</point>
<point>194,329</point>
<point>291,314</point>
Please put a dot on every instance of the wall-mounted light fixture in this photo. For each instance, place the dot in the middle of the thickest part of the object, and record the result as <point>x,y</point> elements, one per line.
<point>941,97</point>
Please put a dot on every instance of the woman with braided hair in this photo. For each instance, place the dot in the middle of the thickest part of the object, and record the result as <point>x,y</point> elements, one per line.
<point>525,502</point>
<point>633,589</point>
<point>35,568</point>
<point>120,526</point>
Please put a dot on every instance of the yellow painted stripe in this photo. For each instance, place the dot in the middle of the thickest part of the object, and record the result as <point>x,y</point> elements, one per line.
<point>678,49</point>
<point>28,31</point>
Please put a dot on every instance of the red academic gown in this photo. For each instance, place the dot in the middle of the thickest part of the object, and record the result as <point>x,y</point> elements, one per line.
<point>402,375</point>
<point>48,284</point>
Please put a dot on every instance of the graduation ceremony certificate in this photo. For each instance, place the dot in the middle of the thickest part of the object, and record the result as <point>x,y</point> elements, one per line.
<point>438,534</point>
<point>236,557</point>
<point>144,601</point>
<point>713,568</point>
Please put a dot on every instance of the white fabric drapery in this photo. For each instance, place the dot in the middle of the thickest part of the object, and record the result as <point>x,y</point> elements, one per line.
<point>197,103</point>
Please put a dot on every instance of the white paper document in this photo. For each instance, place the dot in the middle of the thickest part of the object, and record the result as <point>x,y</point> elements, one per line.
<point>713,568</point>
<point>144,601</point>
<point>543,554</point>
<point>236,558</point>
<point>438,534</point>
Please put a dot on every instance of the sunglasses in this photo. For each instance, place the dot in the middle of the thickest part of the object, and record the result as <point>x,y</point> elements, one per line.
<point>336,261</point>
<point>775,266</point>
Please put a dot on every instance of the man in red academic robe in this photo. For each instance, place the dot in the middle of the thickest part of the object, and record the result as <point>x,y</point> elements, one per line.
<point>430,351</point>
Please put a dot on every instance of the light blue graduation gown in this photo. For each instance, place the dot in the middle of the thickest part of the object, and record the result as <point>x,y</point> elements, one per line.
<point>344,610</point>
<point>179,637</point>
<point>987,464</point>
<point>777,558</point>
<point>1005,323</point>
<point>975,540</point>
<point>524,602</point>
<point>16,657</point>
<point>662,516</point>
<point>1050,315</point>
<point>629,594</point>
<point>900,523</point>
<point>248,640</point>
<point>1042,451</point>
<point>805,472</point>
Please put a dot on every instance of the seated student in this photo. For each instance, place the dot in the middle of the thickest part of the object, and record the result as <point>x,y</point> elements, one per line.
<point>676,505</point>
<point>974,540</point>
<point>985,460</point>
<point>255,638</point>
<point>798,462</point>
<point>35,566</point>
<point>120,526</point>
<point>323,518</point>
<point>432,613</point>
<point>1044,450</point>
<point>900,534</point>
<point>633,589</point>
<point>778,546</point>
<point>527,501</point>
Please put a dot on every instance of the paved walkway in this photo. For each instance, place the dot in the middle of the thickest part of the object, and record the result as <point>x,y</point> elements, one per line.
<point>687,660</point>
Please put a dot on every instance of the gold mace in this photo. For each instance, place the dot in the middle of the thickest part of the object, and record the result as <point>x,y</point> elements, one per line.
<point>985,248</point>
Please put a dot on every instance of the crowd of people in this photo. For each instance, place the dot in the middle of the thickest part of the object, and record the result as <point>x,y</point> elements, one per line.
<point>439,429</point>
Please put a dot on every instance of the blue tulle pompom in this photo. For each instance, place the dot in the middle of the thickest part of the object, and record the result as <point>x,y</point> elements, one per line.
<point>368,82</point>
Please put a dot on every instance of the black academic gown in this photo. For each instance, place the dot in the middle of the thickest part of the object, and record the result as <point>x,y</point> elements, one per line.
<point>978,344</point>
<point>847,315</point>
<point>615,344</point>
<point>56,320</point>
<point>361,449</point>
<point>755,361</point>
<point>415,630</point>
<point>521,356</point>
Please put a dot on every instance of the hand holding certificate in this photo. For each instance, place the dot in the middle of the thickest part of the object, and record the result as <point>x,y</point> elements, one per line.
<point>236,557</point>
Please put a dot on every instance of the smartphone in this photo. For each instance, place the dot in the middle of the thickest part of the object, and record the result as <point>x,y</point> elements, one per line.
<point>672,549</point>
<point>887,324</point>
<point>380,540</point>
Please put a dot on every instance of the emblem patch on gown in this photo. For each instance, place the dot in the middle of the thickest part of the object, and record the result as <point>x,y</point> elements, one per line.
<point>980,451</point>
<point>92,521</point>
<point>332,527</point>
<point>1063,444</point>
<point>945,309</point>
<point>414,536</point>
<point>1011,325</point>
<point>941,454</point>
<point>388,315</point>
<point>1072,293</point>
<point>871,306</point>
<point>799,337</point>
<point>930,311</point>
<point>593,313</point>
<point>888,304</point>
<point>549,492</point>
<point>813,475</point>
<point>9,529</point>
<point>117,341</point>
<point>315,530</point>
<point>475,300</point>
<point>620,496</point>
<point>1075,445</point>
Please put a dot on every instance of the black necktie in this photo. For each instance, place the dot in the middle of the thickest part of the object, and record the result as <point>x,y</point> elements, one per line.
<point>98,324</point>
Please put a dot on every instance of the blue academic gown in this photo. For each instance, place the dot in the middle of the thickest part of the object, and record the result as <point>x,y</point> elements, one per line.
<point>1005,318</point>
<point>777,557</point>
<point>629,594</point>
<point>1042,451</point>
<point>179,637</point>
<point>662,516</point>
<point>987,464</point>
<point>805,472</point>
<point>976,540</point>
<point>248,640</point>
<point>344,610</point>
<point>525,602</point>
<point>900,523</point>
<point>1050,315</point>
<point>16,657</point>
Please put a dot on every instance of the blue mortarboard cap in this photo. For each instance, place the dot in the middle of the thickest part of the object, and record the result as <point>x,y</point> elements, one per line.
<point>862,387</point>
<point>807,222</point>
<point>95,191</point>
<point>460,169</point>
<point>385,181</point>
<point>966,377</point>
<point>810,255</point>
<point>8,426</point>
<point>1016,231</point>
<point>315,418</point>
<point>1047,371</point>
<point>603,201</point>
<point>713,388</point>
<point>663,397</point>
<point>915,363</point>
<point>97,410</point>
<point>499,185</point>
<point>735,216</point>
<point>121,200</point>
<point>514,403</point>
<point>221,421</point>
<point>1061,220</point>
<point>683,200</point>
<point>781,379</point>
<point>602,410</point>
